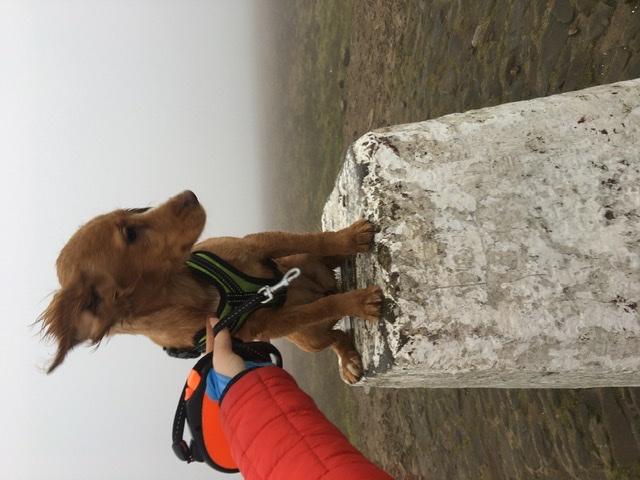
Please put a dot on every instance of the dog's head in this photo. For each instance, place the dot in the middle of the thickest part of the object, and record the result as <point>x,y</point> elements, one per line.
<point>109,260</point>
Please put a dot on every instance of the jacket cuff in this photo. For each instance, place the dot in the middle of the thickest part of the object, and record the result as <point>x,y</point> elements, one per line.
<point>233,381</point>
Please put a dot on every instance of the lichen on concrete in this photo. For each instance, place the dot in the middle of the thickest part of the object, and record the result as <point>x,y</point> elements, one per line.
<point>509,244</point>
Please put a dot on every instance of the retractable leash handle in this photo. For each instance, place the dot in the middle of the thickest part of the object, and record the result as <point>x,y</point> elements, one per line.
<point>193,389</point>
<point>201,412</point>
<point>203,419</point>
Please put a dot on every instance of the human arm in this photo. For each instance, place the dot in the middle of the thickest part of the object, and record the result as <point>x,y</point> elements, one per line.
<point>276,431</point>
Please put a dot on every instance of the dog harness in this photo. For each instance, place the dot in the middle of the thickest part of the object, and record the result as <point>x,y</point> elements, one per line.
<point>240,295</point>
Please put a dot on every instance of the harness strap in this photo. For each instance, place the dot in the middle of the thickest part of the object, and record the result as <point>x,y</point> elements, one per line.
<point>230,321</point>
<point>240,295</point>
<point>239,292</point>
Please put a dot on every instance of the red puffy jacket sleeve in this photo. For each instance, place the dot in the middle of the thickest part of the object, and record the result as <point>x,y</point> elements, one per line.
<point>276,432</point>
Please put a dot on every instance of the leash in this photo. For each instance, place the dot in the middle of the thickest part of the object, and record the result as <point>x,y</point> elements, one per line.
<point>243,303</point>
<point>264,296</point>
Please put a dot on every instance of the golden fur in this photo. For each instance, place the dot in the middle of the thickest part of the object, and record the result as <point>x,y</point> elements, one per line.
<point>124,272</point>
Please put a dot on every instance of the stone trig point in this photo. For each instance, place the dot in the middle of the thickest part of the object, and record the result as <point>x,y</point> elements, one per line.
<point>509,244</point>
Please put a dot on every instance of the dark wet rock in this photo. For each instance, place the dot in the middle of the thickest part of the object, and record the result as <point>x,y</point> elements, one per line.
<point>562,10</point>
<point>346,58</point>
<point>552,40</point>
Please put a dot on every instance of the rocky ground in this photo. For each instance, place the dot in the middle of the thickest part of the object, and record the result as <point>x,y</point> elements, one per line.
<point>335,69</point>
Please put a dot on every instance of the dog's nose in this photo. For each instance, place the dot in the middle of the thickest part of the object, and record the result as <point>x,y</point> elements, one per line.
<point>189,198</point>
<point>184,202</point>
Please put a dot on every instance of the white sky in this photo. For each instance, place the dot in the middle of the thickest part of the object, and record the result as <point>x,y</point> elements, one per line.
<point>107,104</point>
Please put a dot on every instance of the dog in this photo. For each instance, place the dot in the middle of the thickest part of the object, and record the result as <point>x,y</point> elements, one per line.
<point>124,272</point>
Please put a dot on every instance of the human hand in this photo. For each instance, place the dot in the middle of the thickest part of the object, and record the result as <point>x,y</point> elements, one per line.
<point>225,361</point>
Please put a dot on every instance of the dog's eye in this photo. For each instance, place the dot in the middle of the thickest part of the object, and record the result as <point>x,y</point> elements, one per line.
<point>136,210</point>
<point>130,234</point>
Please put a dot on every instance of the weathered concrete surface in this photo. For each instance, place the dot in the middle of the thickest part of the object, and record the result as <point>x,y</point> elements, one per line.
<point>509,248</point>
<point>347,67</point>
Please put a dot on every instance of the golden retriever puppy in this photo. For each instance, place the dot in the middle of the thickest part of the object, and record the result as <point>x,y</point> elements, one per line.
<point>126,272</point>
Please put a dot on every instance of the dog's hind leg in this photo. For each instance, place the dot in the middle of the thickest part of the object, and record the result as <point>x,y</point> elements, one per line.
<point>319,337</point>
<point>349,361</point>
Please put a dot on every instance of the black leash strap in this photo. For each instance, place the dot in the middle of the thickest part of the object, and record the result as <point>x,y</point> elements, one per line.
<point>264,296</point>
<point>184,451</point>
<point>179,446</point>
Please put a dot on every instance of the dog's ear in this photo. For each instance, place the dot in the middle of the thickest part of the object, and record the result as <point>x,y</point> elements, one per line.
<point>72,316</point>
<point>60,317</point>
<point>83,310</point>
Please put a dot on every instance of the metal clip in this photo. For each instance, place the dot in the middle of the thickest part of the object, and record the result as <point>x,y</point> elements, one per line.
<point>269,290</point>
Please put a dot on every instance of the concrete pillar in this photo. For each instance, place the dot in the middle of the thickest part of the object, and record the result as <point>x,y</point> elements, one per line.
<point>509,244</point>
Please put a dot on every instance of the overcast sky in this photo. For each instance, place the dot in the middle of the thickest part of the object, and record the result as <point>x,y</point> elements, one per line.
<point>107,104</point>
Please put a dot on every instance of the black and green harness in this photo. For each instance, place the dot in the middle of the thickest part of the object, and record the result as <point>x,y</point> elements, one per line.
<point>240,295</point>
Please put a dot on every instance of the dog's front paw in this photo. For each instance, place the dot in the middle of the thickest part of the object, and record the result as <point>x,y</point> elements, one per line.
<point>358,237</point>
<point>369,303</point>
<point>350,367</point>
